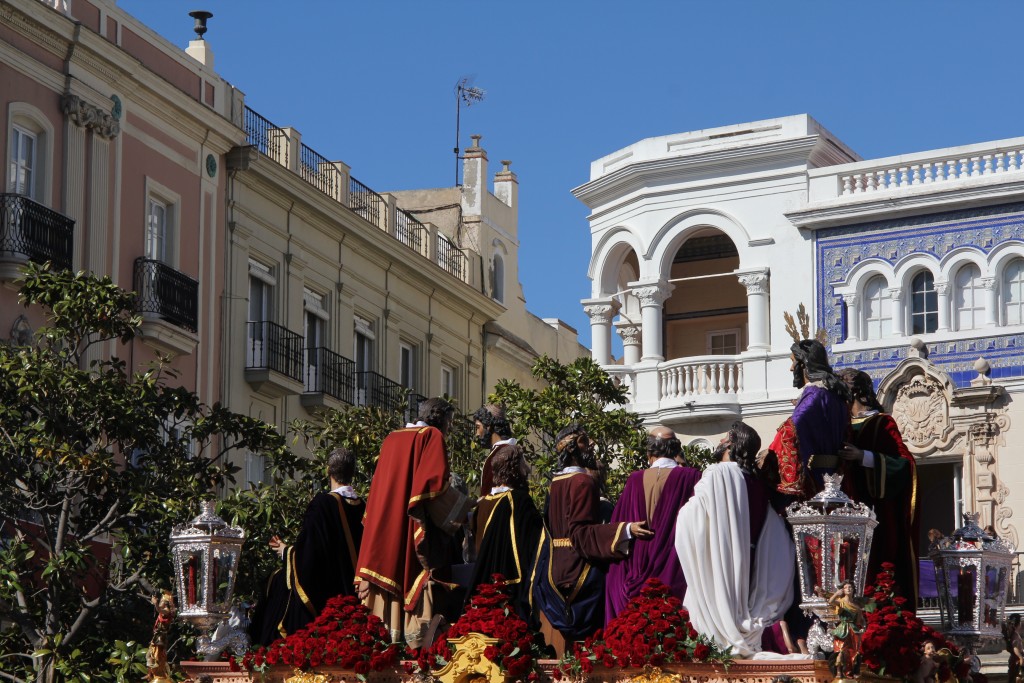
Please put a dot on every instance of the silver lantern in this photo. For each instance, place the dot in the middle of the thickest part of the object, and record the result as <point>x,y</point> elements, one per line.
<point>205,555</point>
<point>972,572</point>
<point>833,536</point>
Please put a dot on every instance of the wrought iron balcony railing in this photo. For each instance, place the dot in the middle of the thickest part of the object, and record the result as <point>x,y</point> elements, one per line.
<point>273,347</point>
<point>330,373</point>
<point>451,258</point>
<point>409,231</point>
<point>31,232</point>
<point>412,406</point>
<point>374,389</point>
<point>170,295</point>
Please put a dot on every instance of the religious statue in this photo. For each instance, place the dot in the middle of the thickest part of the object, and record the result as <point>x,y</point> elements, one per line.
<point>156,655</point>
<point>846,635</point>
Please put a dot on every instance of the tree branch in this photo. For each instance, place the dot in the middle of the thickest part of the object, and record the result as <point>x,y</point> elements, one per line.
<point>12,677</point>
<point>104,524</point>
<point>83,614</point>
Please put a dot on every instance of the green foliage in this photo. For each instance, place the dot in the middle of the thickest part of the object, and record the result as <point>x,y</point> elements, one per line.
<point>99,462</point>
<point>698,456</point>
<point>576,392</point>
<point>362,429</point>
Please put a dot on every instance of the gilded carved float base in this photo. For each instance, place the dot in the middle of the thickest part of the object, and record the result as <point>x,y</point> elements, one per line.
<point>740,671</point>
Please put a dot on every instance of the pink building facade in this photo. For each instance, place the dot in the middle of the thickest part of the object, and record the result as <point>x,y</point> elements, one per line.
<point>113,143</point>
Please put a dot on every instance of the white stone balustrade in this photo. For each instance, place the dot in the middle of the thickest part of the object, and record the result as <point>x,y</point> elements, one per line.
<point>686,378</point>
<point>983,162</point>
<point>623,376</point>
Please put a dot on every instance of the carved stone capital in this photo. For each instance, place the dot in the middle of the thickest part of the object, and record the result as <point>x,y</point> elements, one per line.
<point>630,332</point>
<point>851,300</point>
<point>86,115</point>
<point>755,283</point>
<point>651,295</point>
<point>988,283</point>
<point>600,311</point>
<point>894,293</point>
<point>941,288</point>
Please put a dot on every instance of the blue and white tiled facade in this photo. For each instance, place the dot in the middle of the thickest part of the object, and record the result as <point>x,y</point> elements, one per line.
<point>935,238</point>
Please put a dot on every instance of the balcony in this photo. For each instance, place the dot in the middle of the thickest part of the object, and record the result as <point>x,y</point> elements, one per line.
<point>169,303</point>
<point>329,380</point>
<point>274,359</point>
<point>374,389</point>
<point>412,406</point>
<point>31,232</point>
<point>705,387</point>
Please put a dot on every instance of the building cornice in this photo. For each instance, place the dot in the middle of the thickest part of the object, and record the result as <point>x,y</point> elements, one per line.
<point>899,203</point>
<point>810,150</point>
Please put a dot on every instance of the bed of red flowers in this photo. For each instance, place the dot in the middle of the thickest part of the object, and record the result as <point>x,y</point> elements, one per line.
<point>344,635</point>
<point>490,614</point>
<point>654,630</point>
<point>894,639</point>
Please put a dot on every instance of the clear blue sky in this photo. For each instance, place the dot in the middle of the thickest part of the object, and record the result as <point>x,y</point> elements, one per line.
<point>568,81</point>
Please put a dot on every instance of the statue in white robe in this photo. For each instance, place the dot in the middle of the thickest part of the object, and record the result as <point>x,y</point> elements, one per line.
<point>728,599</point>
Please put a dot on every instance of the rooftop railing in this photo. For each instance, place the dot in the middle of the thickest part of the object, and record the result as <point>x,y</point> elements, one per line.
<point>451,258</point>
<point>326,176</point>
<point>409,231</point>
<point>367,203</point>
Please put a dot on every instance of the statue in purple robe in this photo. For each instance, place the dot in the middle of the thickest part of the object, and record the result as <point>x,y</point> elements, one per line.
<point>654,495</point>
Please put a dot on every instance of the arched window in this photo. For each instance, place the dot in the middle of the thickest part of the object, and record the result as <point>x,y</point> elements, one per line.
<point>29,143</point>
<point>968,298</point>
<point>877,321</point>
<point>1013,292</point>
<point>924,304</point>
<point>498,279</point>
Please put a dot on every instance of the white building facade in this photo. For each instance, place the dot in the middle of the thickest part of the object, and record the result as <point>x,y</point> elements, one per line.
<point>913,266</point>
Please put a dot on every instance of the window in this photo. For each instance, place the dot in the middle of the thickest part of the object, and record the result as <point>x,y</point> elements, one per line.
<point>156,230</point>
<point>255,469</point>
<point>498,279</point>
<point>261,292</point>
<point>314,321</point>
<point>723,342</point>
<point>363,354</point>
<point>1013,292</point>
<point>924,304</point>
<point>968,298</point>
<point>29,153</point>
<point>407,366</point>
<point>448,387</point>
<point>21,179</point>
<point>877,323</point>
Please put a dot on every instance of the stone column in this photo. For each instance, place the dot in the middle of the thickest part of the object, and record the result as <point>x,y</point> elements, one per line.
<point>942,295</point>
<point>651,295</point>
<point>756,284</point>
<point>630,333</point>
<point>991,301</point>
<point>896,296</point>
<point>601,312</point>
<point>852,317</point>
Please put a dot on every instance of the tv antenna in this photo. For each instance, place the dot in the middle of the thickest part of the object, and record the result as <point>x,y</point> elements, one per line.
<point>468,94</point>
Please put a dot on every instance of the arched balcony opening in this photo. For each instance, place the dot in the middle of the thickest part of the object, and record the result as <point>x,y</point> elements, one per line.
<point>706,313</point>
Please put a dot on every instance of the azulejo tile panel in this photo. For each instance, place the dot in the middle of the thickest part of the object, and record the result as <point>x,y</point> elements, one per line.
<point>839,250</point>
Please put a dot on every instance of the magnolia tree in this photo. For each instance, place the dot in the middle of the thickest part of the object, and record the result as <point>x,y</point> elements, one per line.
<point>575,392</point>
<point>99,461</point>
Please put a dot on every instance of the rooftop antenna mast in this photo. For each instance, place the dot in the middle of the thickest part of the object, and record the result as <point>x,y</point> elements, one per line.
<point>465,93</point>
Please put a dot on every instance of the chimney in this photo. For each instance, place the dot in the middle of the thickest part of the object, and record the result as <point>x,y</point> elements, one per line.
<point>506,185</point>
<point>474,178</point>
<point>199,49</point>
